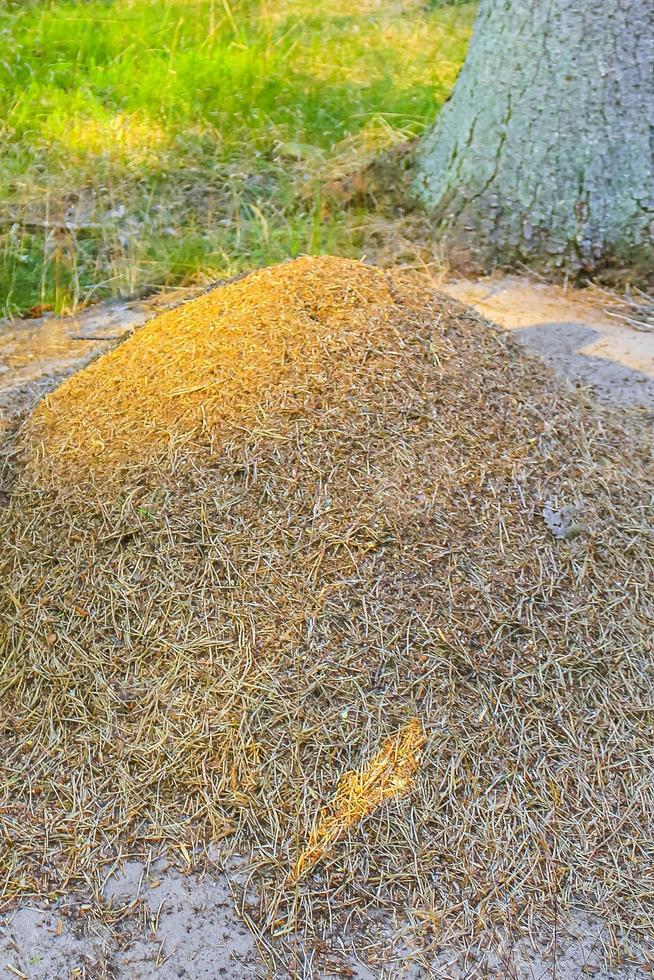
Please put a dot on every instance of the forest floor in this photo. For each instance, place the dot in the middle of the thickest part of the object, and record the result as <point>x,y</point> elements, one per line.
<point>584,335</point>
<point>110,187</point>
<point>576,332</point>
<point>163,923</point>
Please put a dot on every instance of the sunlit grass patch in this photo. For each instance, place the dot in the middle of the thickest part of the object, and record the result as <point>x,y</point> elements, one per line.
<point>148,143</point>
<point>129,139</point>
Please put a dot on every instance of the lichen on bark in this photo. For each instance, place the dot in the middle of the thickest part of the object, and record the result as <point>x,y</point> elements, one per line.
<point>545,152</point>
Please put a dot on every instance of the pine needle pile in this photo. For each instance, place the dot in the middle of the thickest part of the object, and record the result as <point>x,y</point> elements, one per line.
<point>293,530</point>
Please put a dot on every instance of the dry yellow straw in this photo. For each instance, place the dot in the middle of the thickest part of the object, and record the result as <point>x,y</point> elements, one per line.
<point>390,773</point>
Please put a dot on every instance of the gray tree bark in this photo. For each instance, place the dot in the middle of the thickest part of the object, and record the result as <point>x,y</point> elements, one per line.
<point>544,153</point>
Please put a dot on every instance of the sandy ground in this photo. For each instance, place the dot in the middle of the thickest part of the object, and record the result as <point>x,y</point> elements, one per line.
<point>573,331</point>
<point>36,355</point>
<point>156,922</point>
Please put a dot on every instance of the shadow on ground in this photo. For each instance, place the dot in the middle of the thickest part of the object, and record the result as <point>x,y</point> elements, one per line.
<point>561,346</point>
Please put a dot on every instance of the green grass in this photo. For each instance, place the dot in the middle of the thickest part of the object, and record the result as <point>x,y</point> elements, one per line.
<point>157,142</point>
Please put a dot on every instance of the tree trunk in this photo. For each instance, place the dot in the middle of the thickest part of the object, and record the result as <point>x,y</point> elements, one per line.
<point>545,152</point>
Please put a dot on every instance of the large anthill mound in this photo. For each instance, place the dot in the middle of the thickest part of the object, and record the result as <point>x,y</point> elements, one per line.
<point>277,576</point>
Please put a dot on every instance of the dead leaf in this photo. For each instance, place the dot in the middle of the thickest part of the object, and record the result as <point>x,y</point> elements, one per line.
<point>561,523</point>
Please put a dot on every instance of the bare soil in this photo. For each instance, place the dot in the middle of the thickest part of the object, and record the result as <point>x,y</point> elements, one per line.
<point>573,332</point>
<point>570,330</point>
<point>160,924</point>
